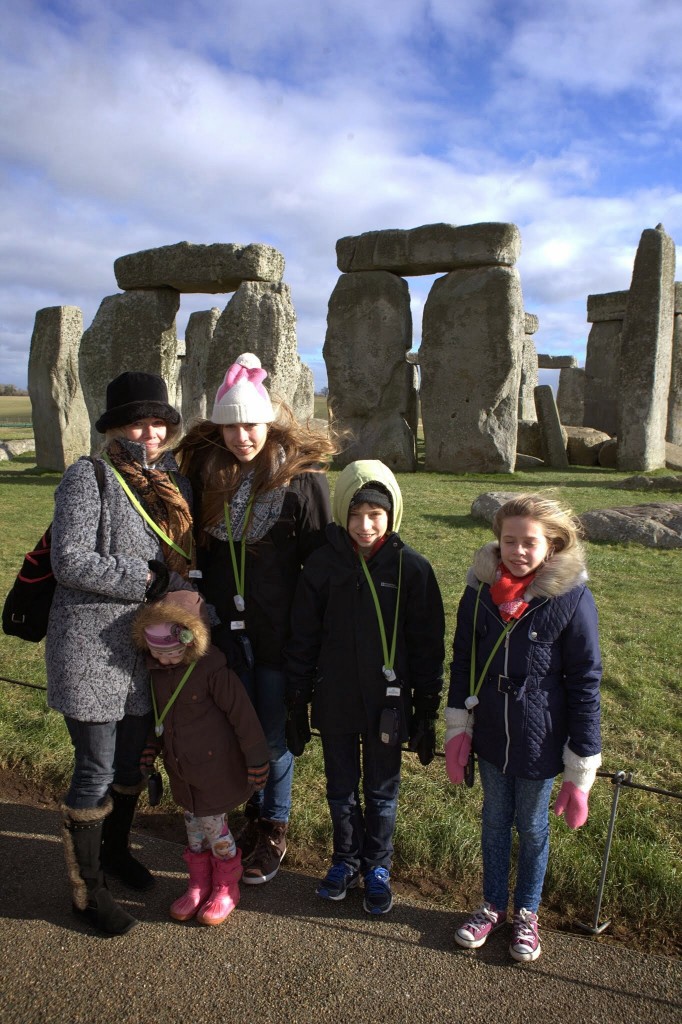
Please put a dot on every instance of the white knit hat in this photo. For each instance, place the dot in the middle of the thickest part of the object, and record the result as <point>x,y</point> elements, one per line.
<point>241,398</point>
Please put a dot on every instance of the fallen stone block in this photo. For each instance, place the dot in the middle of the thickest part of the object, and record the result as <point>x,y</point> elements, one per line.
<point>655,525</point>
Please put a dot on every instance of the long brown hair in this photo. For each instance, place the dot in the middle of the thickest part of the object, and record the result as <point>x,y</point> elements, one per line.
<point>215,473</point>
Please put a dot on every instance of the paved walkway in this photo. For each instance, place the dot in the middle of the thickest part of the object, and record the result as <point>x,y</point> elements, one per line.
<point>286,957</point>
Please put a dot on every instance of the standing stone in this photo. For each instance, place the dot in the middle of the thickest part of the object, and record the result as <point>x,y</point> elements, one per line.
<point>646,354</point>
<point>529,368</point>
<point>470,358</point>
<point>371,384</point>
<point>571,395</point>
<point>553,444</point>
<point>260,318</point>
<point>60,419</point>
<point>674,431</point>
<point>194,369</point>
<point>132,331</point>
<point>602,377</point>
<point>199,268</point>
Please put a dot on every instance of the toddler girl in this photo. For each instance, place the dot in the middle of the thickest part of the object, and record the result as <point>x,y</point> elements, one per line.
<point>214,749</point>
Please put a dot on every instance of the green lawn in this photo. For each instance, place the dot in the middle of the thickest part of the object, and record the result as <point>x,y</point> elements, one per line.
<point>639,595</point>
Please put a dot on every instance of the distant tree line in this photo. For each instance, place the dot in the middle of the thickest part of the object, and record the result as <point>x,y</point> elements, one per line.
<point>10,389</point>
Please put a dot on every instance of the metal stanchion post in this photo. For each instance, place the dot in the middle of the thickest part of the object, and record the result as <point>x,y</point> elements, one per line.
<point>595,928</point>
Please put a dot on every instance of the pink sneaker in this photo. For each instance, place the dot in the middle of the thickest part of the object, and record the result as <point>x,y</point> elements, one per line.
<point>225,893</point>
<point>479,926</point>
<point>199,887</point>
<point>525,943</point>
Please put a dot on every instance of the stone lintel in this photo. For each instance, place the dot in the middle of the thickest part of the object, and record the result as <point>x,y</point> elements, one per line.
<point>547,362</point>
<point>430,249</point>
<point>199,268</point>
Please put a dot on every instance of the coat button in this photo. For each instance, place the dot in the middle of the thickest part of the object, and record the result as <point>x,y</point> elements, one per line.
<point>533,635</point>
<point>194,696</point>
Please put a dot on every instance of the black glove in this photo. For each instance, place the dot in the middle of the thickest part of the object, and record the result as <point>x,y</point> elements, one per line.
<point>423,736</point>
<point>297,729</point>
<point>158,585</point>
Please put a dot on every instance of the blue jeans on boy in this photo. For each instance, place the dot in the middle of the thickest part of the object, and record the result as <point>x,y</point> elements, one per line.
<point>266,687</point>
<point>105,753</point>
<point>363,838</point>
<point>508,800</point>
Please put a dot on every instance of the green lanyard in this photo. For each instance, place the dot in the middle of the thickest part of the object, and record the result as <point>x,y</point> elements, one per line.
<point>389,657</point>
<point>158,718</point>
<point>474,688</point>
<point>145,515</point>
<point>239,578</point>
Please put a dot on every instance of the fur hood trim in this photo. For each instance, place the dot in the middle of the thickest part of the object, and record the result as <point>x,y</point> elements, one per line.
<point>184,607</point>
<point>564,571</point>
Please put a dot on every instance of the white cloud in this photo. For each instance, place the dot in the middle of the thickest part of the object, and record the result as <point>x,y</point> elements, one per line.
<point>124,126</point>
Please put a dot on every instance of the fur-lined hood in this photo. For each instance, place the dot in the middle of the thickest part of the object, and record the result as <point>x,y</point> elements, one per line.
<point>564,571</point>
<point>187,609</point>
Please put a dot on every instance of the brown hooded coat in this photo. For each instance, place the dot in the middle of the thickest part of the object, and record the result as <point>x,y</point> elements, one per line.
<point>211,733</point>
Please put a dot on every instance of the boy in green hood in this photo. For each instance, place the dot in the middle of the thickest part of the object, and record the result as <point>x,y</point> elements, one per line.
<point>366,649</point>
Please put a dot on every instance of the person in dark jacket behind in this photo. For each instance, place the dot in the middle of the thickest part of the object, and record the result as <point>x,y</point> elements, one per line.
<point>261,506</point>
<point>525,677</point>
<point>214,749</point>
<point>367,648</point>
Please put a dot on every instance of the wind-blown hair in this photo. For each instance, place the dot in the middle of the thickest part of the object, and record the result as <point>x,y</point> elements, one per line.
<point>215,473</point>
<point>560,526</point>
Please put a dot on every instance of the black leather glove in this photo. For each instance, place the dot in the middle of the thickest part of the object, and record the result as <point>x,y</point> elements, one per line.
<point>297,729</point>
<point>423,736</point>
<point>159,582</point>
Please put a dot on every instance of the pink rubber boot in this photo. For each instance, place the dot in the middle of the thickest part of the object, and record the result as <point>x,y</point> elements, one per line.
<point>199,887</point>
<point>225,895</point>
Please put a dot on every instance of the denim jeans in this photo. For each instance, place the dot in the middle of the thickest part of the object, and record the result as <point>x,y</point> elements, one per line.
<point>509,801</point>
<point>105,753</point>
<point>363,838</point>
<point>265,687</point>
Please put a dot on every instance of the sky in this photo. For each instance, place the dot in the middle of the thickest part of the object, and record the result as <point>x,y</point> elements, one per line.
<point>131,124</point>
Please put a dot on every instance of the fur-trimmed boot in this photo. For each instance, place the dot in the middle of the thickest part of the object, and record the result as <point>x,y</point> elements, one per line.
<point>117,860</point>
<point>199,888</point>
<point>225,893</point>
<point>92,901</point>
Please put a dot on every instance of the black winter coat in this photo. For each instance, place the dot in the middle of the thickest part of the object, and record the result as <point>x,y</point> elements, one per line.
<point>335,654</point>
<point>273,565</point>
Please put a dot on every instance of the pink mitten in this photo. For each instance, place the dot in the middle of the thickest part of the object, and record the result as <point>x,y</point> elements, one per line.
<point>457,752</point>
<point>572,803</point>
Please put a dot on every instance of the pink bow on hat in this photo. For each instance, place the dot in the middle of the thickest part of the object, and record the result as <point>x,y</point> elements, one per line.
<point>254,374</point>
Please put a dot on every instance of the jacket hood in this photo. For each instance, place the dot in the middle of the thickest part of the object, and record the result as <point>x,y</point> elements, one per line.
<point>357,475</point>
<point>184,607</point>
<point>564,571</point>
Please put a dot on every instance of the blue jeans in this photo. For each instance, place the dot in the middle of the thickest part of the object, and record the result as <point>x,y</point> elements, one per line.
<point>105,753</point>
<point>363,839</point>
<point>265,687</point>
<point>509,801</point>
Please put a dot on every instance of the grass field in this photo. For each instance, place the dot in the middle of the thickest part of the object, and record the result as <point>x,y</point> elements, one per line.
<point>638,593</point>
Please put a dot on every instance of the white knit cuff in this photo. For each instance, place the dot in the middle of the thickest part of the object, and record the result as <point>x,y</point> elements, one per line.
<point>581,771</point>
<point>457,721</point>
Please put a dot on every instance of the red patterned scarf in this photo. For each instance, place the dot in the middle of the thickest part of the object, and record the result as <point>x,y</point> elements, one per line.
<point>507,592</point>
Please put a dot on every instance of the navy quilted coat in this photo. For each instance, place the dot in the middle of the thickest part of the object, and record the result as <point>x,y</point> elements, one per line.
<point>542,686</point>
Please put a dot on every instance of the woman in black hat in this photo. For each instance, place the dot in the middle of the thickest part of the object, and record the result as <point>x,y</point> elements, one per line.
<point>119,528</point>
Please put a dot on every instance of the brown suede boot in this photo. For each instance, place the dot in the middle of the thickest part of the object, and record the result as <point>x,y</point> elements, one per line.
<point>268,854</point>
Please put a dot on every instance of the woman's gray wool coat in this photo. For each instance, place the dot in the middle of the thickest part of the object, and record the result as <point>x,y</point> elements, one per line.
<point>100,555</point>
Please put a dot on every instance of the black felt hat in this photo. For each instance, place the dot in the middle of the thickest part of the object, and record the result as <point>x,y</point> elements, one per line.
<point>136,396</point>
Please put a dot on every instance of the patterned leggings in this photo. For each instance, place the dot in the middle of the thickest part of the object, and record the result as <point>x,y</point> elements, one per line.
<point>211,832</point>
